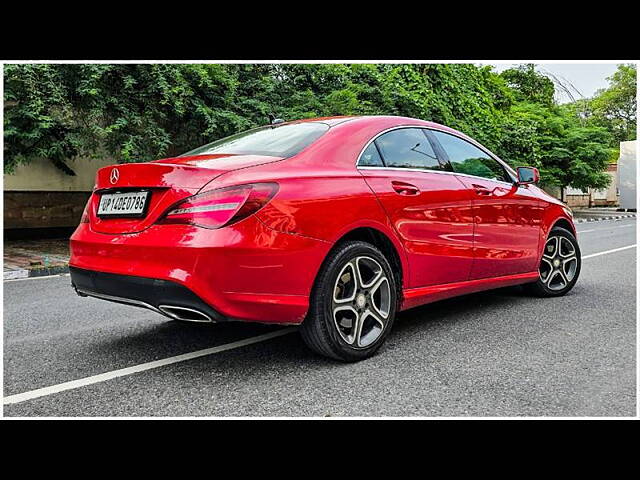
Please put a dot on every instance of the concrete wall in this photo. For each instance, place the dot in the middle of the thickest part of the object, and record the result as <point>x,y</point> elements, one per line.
<point>43,209</point>
<point>607,197</point>
<point>39,195</point>
<point>41,175</point>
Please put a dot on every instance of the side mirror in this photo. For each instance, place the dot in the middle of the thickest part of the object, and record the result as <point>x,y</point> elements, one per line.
<point>527,175</point>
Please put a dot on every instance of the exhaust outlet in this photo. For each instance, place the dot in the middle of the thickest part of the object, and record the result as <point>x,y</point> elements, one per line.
<point>185,314</point>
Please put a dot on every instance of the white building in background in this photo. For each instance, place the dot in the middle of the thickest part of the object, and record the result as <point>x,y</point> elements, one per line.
<point>627,174</point>
<point>607,197</point>
<point>622,189</point>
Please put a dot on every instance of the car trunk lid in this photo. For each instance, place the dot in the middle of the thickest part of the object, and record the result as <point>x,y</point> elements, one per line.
<point>167,181</point>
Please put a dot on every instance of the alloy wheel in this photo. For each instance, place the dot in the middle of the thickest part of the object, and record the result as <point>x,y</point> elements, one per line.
<point>361,302</point>
<point>559,263</point>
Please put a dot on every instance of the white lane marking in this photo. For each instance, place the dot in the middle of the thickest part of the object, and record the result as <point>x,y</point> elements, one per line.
<point>42,277</point>
<point>103,377</point>
<point>584,257</point>
<point>604,229</point>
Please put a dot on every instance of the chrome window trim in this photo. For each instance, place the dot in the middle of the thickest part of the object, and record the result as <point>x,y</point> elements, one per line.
<point>440,172</point>
<point>398,127</point>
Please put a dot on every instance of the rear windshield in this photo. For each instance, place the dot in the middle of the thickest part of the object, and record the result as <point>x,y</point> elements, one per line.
<point>275,141</point>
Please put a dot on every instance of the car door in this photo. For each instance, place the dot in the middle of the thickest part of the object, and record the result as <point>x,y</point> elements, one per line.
<point>507,216</point>
<point>429,208</point>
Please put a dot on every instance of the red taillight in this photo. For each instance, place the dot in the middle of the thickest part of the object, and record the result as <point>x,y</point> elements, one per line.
<point>85,212</point>
<point>221,207</point>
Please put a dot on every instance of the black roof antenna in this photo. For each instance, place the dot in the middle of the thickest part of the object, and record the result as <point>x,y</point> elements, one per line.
<point>273,120</point>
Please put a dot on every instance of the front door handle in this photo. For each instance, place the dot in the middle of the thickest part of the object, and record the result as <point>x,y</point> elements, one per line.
<point>481,189</point>
<point>405,188</point>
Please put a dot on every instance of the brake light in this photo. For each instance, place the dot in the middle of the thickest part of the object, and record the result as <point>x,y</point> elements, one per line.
<point>221,207</point>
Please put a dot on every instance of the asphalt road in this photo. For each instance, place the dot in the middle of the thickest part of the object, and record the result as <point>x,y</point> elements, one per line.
<point>497,353</point>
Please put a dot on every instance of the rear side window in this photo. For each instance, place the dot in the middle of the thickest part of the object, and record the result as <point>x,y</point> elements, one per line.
<point>469,159</point>
<point>370,157</point>
<point>407,148</point>
<point>275,141</point>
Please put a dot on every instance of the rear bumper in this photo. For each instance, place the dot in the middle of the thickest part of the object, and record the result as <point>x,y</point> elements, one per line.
<point>247,271</point>
<point>157,295</point>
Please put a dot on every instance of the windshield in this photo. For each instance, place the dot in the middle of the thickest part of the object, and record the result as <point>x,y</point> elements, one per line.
<point>275,141</point>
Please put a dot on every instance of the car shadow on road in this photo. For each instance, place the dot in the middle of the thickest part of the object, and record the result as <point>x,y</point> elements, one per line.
<point>237,381</point>
<point>453,309</point>
<point>174,338</point>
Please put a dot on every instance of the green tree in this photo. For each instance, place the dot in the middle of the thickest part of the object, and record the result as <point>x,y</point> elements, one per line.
<point>143,112</point>
<point>529,85</point>
<point>131,112</point>
<point>615,107</point>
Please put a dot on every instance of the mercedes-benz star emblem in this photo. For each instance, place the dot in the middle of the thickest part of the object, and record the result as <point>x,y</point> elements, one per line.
<point>115,175</point>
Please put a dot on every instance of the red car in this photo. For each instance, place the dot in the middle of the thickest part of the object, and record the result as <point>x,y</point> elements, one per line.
<point>333,223</point>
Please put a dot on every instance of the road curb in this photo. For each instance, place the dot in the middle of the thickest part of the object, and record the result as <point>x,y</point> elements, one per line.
<point>35,272</point>
<point>600,219</point>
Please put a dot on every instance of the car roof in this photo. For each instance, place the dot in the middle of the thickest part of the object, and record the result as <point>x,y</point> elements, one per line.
<point>331,121</point>
<point>369,119</point>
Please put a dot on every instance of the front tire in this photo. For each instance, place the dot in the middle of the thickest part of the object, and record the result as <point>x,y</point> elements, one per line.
<point>353,303</point>
<point>560,265</point>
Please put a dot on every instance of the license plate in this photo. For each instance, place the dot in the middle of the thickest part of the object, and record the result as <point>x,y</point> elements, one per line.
<point>126,204</point>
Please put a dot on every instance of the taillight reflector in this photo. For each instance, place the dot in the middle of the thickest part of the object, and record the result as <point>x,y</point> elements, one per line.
<point>220,207</point>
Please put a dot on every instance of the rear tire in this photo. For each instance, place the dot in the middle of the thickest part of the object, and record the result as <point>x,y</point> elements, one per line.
<point>559,267</point>
<point>353,303</point>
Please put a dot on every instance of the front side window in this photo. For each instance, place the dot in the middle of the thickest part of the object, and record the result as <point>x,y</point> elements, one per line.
<point>275,141</point>
<point>469,159</point>
<point>407,148</point>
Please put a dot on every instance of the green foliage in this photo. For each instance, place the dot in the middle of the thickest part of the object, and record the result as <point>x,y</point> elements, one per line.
<point>614,108</point>
<point>144,112</point>
<point>529,85</point>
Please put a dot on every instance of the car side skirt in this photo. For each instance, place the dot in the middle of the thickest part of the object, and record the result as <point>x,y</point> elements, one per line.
<point>414,297</point>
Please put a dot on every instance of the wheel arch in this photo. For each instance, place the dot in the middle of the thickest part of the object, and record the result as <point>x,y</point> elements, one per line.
<point>386,245</point>
<point>564,223</point>
<point>551,220</point>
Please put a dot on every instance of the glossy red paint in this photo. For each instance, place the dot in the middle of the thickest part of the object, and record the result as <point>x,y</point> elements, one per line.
<point>453,234</point>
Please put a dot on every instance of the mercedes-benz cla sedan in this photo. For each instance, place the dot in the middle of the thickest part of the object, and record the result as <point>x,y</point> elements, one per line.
<point>334,224</point>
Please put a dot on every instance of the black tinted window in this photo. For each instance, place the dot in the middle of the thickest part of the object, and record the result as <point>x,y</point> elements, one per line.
<point>370,157</point>
<point>282,141</point>
<point>407,148</point>
<point>469,159</point>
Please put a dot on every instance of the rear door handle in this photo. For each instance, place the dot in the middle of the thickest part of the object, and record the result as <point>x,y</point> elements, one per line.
<point>405,188</point>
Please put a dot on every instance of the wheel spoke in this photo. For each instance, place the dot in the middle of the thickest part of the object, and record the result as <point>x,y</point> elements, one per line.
<point>553,242</point>
<point>376,276</point>
<point>372,333</point>
<point>567,269</point>
<point>356,274</point>
<point>376,317</point>
<point>346,322</point>
<point>566,242</point>
<point>547,272</point>
<point>383,308</point>
<point>347,281</point>
<point>550,277</point>
<point>564,278</point>
<point>548,262</point>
